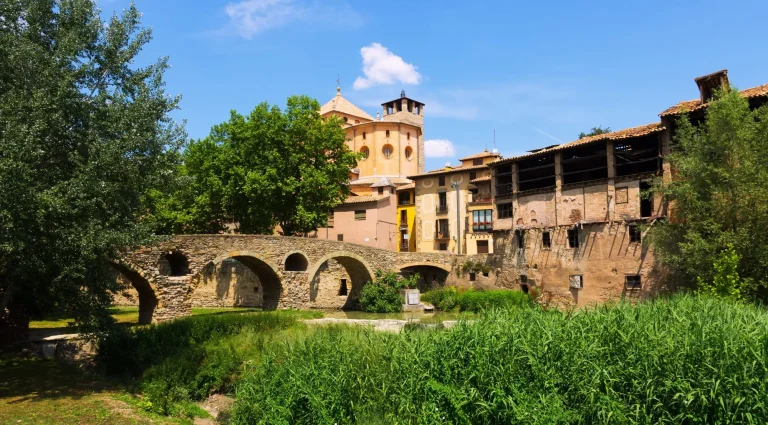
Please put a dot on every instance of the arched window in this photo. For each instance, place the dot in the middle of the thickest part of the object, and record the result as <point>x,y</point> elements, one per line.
<point>365,152</point>
<point>345,120</point>
<point>387,151</point>
<point>408,136</point>
<point>363,135</point>
<point>387,133</point>
<point>408,152</point>
<point>357,121</point>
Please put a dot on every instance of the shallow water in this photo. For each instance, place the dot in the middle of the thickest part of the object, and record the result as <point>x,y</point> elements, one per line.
<point>420,316</point>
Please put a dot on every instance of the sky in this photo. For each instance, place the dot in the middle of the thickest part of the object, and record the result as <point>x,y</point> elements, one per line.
<point>536,73</point>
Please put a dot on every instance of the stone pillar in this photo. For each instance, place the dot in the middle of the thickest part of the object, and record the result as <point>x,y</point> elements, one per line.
<point>611,177</point>
<point>558,186</point>
<point>174,298</point>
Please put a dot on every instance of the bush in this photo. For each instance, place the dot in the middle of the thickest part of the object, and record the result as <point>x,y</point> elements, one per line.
<point>383,294</point>
<point>188,359</point>
<point>689,360</point>
<point>450,299</point>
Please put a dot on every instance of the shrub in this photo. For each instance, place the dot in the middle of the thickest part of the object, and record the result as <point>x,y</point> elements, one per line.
<point>449,299</point>
<point>690,360</point>
<point>382,295</point>
<point>188,359</point>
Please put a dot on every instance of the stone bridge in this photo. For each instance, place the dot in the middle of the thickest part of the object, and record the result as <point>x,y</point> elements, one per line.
<point>292,272</point>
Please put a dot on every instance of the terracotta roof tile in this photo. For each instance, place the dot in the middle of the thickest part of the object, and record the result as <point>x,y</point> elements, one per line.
<point>364,199</point>
<point>448,171</point>
<point>626,133</point>
<point>481,179</point>
<point>407,186</point>
<point>373,179</point>
<point>339,104</point>
<point>483,154</point>
<point>694,105</point>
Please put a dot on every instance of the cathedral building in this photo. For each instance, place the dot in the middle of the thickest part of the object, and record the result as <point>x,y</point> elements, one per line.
<point>392,146</point>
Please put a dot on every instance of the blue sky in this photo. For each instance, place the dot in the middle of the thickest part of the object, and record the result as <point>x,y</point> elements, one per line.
<point>537,74</point>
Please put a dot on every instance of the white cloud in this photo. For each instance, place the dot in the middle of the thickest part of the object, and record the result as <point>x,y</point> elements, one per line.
<point>439,148</point>
<point>251,17</point>
<point>381,66</point>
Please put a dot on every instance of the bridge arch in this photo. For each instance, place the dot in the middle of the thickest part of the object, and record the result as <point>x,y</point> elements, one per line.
<point>146,291</point>
<point>432,275</point>
<point>341,287</point>
<point>265,270</point>
<point>296,261</point>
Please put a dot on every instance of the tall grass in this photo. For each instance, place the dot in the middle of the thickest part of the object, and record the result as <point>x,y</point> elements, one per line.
<point>175,363</point>
<point>450,299</point>
<point>684,360</point>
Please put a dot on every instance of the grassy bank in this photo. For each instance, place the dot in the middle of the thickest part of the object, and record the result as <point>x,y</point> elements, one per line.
<point>455,299</point>
<point>684,360</point>
<point>175,364</point>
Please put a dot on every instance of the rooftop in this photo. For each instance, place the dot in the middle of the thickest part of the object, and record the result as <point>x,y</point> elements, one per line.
<point>626,133</point>
<point>483,154</point>
<point>364,199</point>
<point>374,179</point>
<point>340,104</point>
<point>481,179</point>
<point>407,186</point>
<point>693,105</point>
<point>384,182</point>
<point>449,170</point>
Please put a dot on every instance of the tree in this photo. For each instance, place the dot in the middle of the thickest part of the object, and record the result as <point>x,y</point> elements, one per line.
<point>382,295</point>
<point>595,131</point>
<point>84,134</point>
<point>275,168</point>
<point>715,237</point>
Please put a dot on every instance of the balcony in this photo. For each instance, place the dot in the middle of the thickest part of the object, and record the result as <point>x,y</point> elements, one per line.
<point>481,198</point>
<point>404,225</point>
<point>441,209</point>
<point>404,246</point>
<point>442,234</point>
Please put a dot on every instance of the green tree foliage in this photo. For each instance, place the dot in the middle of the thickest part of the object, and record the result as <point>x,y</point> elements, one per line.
<point>269,168</point>
<point>84,134</point>
<point>382,295</point>
<point>719,195</point>
<point>595,131</point>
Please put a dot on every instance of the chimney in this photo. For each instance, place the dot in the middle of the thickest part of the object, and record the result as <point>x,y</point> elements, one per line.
<point>709,83</point>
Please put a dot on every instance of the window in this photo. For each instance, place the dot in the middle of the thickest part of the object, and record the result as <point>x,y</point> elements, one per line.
<point>387,151</point>
<point>357,121</point>
<point>622,195</point>
<point>404,198</point>
<point>442,203</point>
<point>345,120</point>
<point>408,152</point>
<point>632,281</point>
<point>343,288</point>
<point>505,210</point>
<point>485,274</point>
<point>442,231</point>
<point>482,221</point>
<point>472,276</point>
<point>477,161</point>
<point>404,217</point>
<point>482,247</point>
<point>576,281</point>
<point>441,181</point>
<point>524,283</point>
<point>472,175</point>
<point>634,233</point>
<point>340,238</point>
<point>381,190</point>
<point>359,214</point>
<point>443,246</point>
<point>387,132</point>
<point>573,238</point>
<point>520,236</point>
<point>408,136</point>
<point>546,240</point>
<point>364,150</point>
<point>363,135</point>
<point>646,200</point>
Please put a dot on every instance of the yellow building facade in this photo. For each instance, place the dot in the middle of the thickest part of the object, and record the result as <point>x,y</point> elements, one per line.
<point>453,207</point>
<point>406,218</point>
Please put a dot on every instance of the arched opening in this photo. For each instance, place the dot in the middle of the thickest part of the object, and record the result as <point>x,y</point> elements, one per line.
<point>296,262</point>
<point>146,295</point>
<point>174,263</point>
<point>242,280</point>
<point>430,276</point>
<point>337,279</point>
